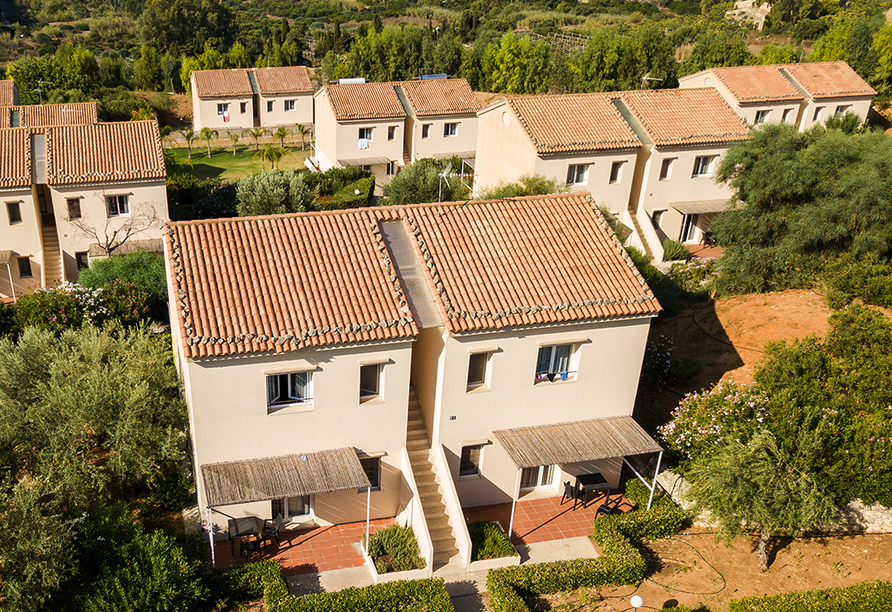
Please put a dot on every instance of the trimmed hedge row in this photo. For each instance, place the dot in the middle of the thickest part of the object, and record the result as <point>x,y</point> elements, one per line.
<point>264,578</point>
<point>864,597</point>
<point>488,541</point>
<point>620,563</point>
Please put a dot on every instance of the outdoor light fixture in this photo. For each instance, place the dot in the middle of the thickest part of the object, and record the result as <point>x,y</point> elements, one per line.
<point>636,602</point>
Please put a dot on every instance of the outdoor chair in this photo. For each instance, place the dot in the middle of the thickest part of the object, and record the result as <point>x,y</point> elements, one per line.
<point>608,507</point>
<point>250,547</point>
<point>271,527</point>
<point>570,492</point>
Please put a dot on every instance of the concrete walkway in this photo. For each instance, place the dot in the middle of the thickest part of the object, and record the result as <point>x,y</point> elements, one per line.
<point>465,589</point>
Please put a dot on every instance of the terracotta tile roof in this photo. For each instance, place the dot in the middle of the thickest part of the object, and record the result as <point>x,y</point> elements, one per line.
<point>15,158</point>
<point>284,80</point>
<point>364,101</point>
<point>287,282</point>
<point>221,83</point>
<point>440,97</point>
<point>673,117</point>
<point>828,80</point>
<point>573,123</point>
<point>750,84</point>
<point>104,152</point>
<point>46,115</point>
<point>7,92</point>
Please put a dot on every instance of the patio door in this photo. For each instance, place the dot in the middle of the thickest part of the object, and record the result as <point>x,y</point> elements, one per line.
<point>540,476</point>
<point>291,507</point>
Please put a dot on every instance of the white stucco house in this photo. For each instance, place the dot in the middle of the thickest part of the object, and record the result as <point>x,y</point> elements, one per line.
<point>401,361</point>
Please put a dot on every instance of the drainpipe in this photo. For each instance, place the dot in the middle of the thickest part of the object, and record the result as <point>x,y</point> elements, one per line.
<point>11,286</point>
<point>514,503</point>
<point>211,537</point>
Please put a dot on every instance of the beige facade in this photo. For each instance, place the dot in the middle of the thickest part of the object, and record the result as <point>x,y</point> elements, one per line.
<point>223,113</point>
<point>286,110</point>
<point>775,111</point>
<point>20,233</point>
<point>441,136</point>
<point>817,111</point>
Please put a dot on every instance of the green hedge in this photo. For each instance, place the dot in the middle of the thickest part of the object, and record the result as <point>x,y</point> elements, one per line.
<point>488,541</point>
<point>863,597</point>
<point>621,562</point>
<point>346,197</point>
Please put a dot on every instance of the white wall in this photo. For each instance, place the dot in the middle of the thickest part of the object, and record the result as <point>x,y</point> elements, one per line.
<point>302,113</point>
<point>204,113</point>
<point>438,145</point>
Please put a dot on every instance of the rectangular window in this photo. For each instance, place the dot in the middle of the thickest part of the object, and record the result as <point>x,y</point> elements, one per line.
<point>289,105</point>
<point>786,115</point>
<point>391,168</point>
<point>291,507</point>
<point>687,227</point>
<point>842,109</point>
<point>391,132</point>
<point>450,129</point>
<point>269,106</point>
<point>14,210</point>
<point>539,476</point>
<point>222,109</point>
<point>244,107</point>
<point>656,217</point>
<point>365,134</point>
<point>24,267</point>
<point>666,168</point>
<point>817,114</point>
<point>117,205</point>
<point>616,171</point>
<point>576,174</point>
<point>425,130</point>
<point>288,389</point>
<point>82,259</point>
<point>372,468</point>
<point>74,208</point>
<point>555,363</point>
<point>470,460</point>
<point>761,116</point>
<point>478,371</point>
<point>370,381</point>
<point>703,165</point>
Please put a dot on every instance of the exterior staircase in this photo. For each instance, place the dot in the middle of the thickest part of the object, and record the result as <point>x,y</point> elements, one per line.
<point>446,557</point>
<point>406,159</point>
<point>640,233</point>
<point>52,256</point>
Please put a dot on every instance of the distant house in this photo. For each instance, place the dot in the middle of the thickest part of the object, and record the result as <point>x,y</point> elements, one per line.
<point>404,361</point>
<point>802,94</point>
<point>46,115</point>
<point>244,98</point>
<point>384,126</point>
<point>9,93</point>
<point>70,188</point>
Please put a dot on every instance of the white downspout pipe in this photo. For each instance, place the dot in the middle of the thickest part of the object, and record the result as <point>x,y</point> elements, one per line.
<point>514,503</point>
<point>368,513</point>
<point>11,286</point>
<point>654,485</point>
<point>211,536</point>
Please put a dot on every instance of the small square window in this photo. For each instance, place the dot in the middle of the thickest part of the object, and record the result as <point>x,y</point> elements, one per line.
<point>842,110</point>
<point>391,132</point>
<point>576,174</point>
<point>556,363</point>
<point>222,109</point>
<point>786,115</point>
<point>425,130</point>
<point>289,105</point>
<point>365,133</point>
<point>294,388</point>
<point>761,116</point>
<point>470,460</point>
<point>372,468</point>
<point>244,107</point>
<point>370,381</point>
<point>117,205</point>
<point>703,165</point>
<point>82,259</point>
<point>479,371</point>
<point>817,114</point>
<point>74,208</point>
<point>25,267</point>
<point>269,106</point>
<point>14,210</point>
<point>656,217</point>
<point>666,168</point>
<point>450,129</point>
<point>616,172</point>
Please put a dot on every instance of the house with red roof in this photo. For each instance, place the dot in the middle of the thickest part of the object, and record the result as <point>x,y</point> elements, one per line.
<point>405,364</point>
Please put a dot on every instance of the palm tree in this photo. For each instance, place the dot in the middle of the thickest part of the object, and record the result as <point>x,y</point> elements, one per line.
<point>256,133</point>
<point>303,131</point>
<point>189,135</point>
<point>271,153</point>
<point>207,135</point>
<point>280,133</point>
<point>234,137</point>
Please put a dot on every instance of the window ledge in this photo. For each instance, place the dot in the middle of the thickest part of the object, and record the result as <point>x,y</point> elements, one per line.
<point>372,399</point>
<point>482,388</point>
<point>471,476</point>
<point>290,409</point>
<point>557,381</point>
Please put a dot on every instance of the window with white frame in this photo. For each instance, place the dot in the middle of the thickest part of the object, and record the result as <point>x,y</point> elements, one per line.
<point>616,171</point>
<point>293,388</point>
<point>786,115</point>
<point>688,223</point>
<point>842,110</point>
<point>372,468</point>
<point>222,108</point>
<point>24,267</point>
<point>291,507</point>
<point>576,174</point>
<point>390,169</point>
<point>365,133</point>
<point>471,460</point>
<point>556,362</point>
<point>117,205</point>
<point>289,105</point>
<point>666,168</point>
<point>450,129</point>
<point>425,130</point>
<point>535,477</point>
<point>479,371</point>
<point>761,116</point>
<point>703,165</point>
<point>14,210</point>
<point>370,381</point>
<point>74,208</point>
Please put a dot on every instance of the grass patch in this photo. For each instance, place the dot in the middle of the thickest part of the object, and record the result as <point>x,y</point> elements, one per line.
<point>224,165</point>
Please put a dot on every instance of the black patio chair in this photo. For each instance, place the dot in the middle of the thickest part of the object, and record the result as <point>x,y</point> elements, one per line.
<point>250,547</point>
<point>609,507</point>
<point>570,492</point>
<point>271,528</point>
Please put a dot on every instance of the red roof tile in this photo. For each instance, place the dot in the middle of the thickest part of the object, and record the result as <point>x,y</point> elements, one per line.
<point>221,83</point>
<point>7,92</point>
<point>46,115</point>
<point>751,84</point>
<point>573,123</point>
<point>440,97</point>
<point>364,101</point>
<point>287,282</point>
<point>15,158</point>
<point>284,80</point>
<point>828,80</point>
<point>104,152</point>
<point>672,117</point>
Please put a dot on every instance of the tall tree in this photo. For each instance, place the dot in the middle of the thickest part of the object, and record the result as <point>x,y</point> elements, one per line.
<point>207,135</point>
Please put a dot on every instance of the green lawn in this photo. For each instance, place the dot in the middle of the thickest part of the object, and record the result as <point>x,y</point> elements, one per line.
<point>223,164</point>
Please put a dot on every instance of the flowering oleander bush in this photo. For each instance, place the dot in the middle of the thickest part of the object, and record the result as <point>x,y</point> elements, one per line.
<point>71,306</point>
<point>695,275</point>
<point>662,365</point>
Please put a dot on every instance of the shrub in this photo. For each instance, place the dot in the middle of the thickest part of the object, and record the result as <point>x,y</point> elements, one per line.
<point>395,549</point>
<point>190,198</point>
<point>526,185</point>
<point>673,250</point>
<point>868,278</point>
<point>347,196</point>
<point>333,180</point>
<point>67,306</point>
<point>144,270</point>
<point>662,365</point>
<point>871,595</point>
<point>488,541</point>
<point>274,192</point>
<point>9,328</point>
<point>695,276</point>
<point>124,302</point>
<point>663,287</point>
<point>402,595</point>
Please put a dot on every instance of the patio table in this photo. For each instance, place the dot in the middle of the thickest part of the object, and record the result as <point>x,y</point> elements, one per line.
<point>589,483</point>
<point>241,528</point>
